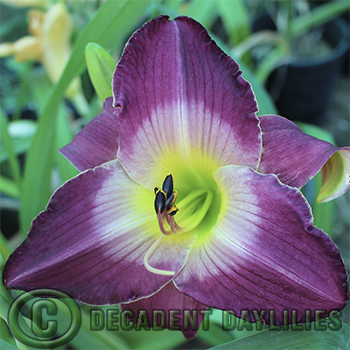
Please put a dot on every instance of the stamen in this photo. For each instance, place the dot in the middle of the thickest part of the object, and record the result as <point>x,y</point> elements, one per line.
<point>174,226</point>
<point>171,201</point>
<point>160,217</point>
<point>153,247</point>
<point>164,205</point>
<point>168,185</point>
<point>177,227</point>
<point>171,222</point>
<point>160,201</point>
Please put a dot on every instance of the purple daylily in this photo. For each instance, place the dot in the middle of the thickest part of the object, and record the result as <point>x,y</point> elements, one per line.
<point>228,229</point>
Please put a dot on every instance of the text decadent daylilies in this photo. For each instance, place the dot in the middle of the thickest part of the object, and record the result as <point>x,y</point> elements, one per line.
<point>182,126</point>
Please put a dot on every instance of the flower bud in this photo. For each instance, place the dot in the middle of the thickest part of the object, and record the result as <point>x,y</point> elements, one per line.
<point>100,67</point>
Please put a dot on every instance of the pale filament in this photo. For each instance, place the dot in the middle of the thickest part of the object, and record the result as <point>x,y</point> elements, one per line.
<point>195,207</point>
<point>174,227</point>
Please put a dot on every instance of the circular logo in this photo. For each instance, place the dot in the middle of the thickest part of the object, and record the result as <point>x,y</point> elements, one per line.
<point>53,320</point>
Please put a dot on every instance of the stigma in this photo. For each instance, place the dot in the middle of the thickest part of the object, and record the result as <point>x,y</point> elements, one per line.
<point>164,205</point>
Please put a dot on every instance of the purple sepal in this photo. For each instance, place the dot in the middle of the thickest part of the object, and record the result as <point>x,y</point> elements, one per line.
<point>296,157</point>
<point>97,142</point>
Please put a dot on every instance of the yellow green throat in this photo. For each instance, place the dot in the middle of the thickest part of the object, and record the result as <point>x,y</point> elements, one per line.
<point>199,207</point>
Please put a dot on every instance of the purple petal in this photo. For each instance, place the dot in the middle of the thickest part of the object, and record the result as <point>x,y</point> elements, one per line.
<point>182,100</point>
<point>297,157</point>
<point>264,253</point>
<point>91,241</point>
<point>97,142</point>
<point>169,308</point>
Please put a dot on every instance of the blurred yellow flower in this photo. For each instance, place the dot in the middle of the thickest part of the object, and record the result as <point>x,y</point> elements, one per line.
<point>49,43</point>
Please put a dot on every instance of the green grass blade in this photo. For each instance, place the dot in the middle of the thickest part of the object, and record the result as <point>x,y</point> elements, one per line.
<point>324,213</point>
<point>5,250</point>
<point>10,149</point>
<point>64,136</point>
<point>9,187</point>
<point>269,63</point>
<point>19,146</point>
<point>99,340</point>
<point>326,339</point>
<point>202,11</point>
<point>6,346</point>
<point>174,5</point>
<point>319,16</point>
<point>236,20</point>
<point>37,174</point>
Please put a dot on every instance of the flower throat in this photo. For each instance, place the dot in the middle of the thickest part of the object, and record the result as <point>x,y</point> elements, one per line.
<point>195,206</point>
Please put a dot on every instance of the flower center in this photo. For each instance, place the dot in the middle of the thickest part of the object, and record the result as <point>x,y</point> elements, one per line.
<point>194,208</point>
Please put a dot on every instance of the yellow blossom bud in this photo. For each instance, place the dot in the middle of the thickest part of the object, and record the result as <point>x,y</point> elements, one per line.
<point>24,49</point>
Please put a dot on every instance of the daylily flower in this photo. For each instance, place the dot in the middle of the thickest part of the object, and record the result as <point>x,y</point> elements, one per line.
<point>236,235</point>
<point>49,43</point>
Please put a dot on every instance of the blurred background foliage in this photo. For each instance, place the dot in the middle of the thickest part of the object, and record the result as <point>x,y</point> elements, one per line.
<point>57,59</point>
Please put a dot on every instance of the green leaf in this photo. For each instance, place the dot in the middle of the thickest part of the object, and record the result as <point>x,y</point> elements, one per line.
<point>317,132</point>
<point>6,346</point>
<point>269,63</point>
<point>9,187</point>
<point>19,146</point>
<point>6,301</point>
<point>318,16</point>
<point>202,11</point>
<point>5,249</point>
<point>236,20</point>
<point>100,66</point>
<point>40,88</point>
<point>112,23</point>
<point>215,335</point>
<point>324,213</point>
<point>291,340</point>
<point>173,5</point>
<point>10,149</point>
<point>153,339</point>
<point>102,339</point>
<point>64,136</point>
<point>25,323</point>
<point>6,297</point>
